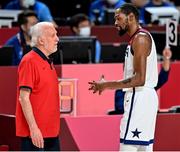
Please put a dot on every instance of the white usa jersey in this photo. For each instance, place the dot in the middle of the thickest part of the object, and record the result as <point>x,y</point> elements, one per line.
<point>151,64</point>
<point>140,103</point>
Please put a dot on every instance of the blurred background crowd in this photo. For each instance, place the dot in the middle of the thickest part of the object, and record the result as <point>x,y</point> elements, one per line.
<point>61,11</point>
<point>81,16</point>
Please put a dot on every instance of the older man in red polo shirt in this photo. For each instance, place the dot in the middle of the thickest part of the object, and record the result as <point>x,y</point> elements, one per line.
<point>37,111</point>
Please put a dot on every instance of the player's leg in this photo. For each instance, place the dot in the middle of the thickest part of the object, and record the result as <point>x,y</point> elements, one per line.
<point>125,147</point>
<point>149,148</point>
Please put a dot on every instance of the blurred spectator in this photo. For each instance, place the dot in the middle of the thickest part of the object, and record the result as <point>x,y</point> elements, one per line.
<point>154,3</point>
<point>42,11</point>
<point>81,26</point>
<point>21,41</point>
<point>97,9</point>
<point>140,4</point>
<point>171,1</point>
<point>162,79</point>
<point>157,3</point>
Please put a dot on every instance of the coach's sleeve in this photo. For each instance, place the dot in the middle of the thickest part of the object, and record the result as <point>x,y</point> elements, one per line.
<point>26,75</point>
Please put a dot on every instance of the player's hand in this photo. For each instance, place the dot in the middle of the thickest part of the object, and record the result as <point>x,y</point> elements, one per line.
<point>98,86</point>
<point>36,137</point>
<point>102,79</point>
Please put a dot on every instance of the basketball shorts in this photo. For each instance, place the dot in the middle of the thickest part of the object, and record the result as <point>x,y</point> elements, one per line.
<point>138,123</point>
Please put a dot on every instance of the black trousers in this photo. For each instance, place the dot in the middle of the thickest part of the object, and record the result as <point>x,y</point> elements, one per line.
<point>50,144</point>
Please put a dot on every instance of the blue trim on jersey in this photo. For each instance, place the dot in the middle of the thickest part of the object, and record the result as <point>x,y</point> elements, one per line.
<point>130,112</point>
<point>136,142</point>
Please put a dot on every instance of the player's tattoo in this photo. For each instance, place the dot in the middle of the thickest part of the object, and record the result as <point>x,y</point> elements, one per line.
<point>126,81</point>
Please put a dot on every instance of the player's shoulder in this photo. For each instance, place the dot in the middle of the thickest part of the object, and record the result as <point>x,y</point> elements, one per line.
<point>142,37</point>
<point>142,41</point>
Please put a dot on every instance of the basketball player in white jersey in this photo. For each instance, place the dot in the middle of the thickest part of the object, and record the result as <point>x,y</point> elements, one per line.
<point>140,77</point>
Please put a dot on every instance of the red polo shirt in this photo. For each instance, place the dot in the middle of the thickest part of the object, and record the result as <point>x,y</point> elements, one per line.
<point>37,73</point>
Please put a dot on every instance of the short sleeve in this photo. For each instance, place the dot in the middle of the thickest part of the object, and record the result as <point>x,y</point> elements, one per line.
<point>26,74</point>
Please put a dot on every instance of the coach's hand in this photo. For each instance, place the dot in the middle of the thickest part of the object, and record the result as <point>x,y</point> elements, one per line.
<point>36,137</point>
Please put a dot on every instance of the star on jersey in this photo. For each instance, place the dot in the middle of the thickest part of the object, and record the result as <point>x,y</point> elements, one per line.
<point>136,133</point>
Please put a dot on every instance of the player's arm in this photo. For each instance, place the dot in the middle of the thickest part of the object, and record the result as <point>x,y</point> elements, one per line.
<point>141,47</point>
<point>35,133</point>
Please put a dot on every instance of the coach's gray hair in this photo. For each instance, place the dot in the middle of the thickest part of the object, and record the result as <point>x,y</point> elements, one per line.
<point>37,30</point>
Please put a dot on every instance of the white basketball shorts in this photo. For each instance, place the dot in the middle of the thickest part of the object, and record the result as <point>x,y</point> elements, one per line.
<point>140,110</point>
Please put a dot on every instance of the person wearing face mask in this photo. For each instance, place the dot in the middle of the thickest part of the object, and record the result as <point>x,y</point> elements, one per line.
<point>21,41</point>
<point>100,6</point>
<point>81,26</point>
<point>42,10</point>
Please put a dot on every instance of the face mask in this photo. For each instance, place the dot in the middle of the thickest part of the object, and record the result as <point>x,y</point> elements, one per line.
<point>85,31</point>
<point>112,2</point>
<point>28,3</point>
<point>29,33</point>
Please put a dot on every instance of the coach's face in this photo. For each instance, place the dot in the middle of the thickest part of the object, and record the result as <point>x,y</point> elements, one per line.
<point>121,22</point>
<point>50,40</point>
